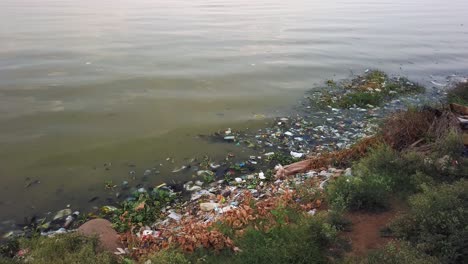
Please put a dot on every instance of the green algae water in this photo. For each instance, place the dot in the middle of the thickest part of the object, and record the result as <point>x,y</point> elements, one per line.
<point>91,90</point>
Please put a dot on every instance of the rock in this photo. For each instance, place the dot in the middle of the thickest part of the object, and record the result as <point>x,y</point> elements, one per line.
<point>207,207</point>
<point>108,237</point>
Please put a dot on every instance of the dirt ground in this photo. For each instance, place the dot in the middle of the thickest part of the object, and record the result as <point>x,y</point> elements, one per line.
<point>365,234</point>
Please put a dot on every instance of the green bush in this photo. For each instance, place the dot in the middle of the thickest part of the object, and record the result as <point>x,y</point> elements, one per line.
<point>401,253</point>
<point>406,171</point>
<point>437,222</point>
<point>368,193</point>
<point>451,144</point>
<point>303,243</point>
<point>66,249</point>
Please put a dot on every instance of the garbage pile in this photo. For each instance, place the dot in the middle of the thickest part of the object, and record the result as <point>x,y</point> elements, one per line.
<point>195,223</point>
<point>220,187</point>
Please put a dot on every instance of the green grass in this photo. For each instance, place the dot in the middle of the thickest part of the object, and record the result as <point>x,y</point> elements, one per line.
<point>360,99</point>
<point>66,249</point>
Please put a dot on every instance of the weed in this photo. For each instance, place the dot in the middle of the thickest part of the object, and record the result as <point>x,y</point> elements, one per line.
<point>281,158</point>
<point>143,210</point>
<point>372,89</point>
<point>360,99</point>
<point>67,248</point>
<point>459,94</point>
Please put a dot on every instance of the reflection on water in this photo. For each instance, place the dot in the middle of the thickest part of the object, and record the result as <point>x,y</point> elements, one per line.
<point>87,82</point>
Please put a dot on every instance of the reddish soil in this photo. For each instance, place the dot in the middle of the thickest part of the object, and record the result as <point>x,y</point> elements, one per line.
<point>365,234</point>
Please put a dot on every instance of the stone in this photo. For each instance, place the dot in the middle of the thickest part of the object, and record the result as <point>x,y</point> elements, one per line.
<point>208,207</point>
<point>108,237</point>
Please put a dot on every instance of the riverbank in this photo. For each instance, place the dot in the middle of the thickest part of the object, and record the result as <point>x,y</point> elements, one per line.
<point>232,206</point>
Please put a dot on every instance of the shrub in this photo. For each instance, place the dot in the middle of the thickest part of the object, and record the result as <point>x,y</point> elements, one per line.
<point>451,144</point>
<point>401,253</point>
<point>67,248</point>
<point>381,159</point>
<point>437,222</point>
<point>307,241</point>
<point>406,171</point>
<point>397,169</point>
<point>360,193</point>
<point>303,243</point>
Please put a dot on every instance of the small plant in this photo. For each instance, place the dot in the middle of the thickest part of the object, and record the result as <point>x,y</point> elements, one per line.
<point>281,158</point>
<point>142,211</point>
